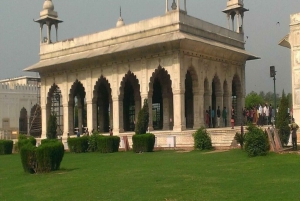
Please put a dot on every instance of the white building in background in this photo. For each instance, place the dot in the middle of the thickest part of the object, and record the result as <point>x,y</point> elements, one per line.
<point>292,42</point>
<point>181,64</point>
<point>19,106</point>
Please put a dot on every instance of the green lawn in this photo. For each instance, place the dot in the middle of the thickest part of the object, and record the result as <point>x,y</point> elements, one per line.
<point>162,176</point>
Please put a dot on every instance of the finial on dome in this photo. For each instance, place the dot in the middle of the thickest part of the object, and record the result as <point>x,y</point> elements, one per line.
<point>48,5</point>
<point>120,20</point>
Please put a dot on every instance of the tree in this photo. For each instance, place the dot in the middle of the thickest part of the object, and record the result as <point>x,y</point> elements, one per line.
<point>52,127</point>
<point>282,120</point>
<point>143,119</point>
<point>253,99</point>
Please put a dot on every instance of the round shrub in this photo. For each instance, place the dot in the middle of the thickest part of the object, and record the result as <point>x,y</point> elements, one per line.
<point>6,147</point>
<point>202,140</point>
<point>256,142</point>
<point>143,142</point>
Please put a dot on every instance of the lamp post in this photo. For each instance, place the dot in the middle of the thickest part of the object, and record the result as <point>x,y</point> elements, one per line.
<point>273,74</point>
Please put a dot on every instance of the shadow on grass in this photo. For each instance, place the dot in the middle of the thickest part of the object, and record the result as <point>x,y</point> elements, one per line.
<point>65,170</point>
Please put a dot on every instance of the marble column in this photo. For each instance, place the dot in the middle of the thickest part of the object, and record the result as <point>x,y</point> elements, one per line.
<point>197,110</point>
<point>179,114</point>
<point>118,115</point>
<point>44,121</point>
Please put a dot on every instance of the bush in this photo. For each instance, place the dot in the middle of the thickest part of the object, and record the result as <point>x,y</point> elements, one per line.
<point>44,141</point>
<point>52,127</point>
<point>282,120</point>
<point>6,147</point>
<point>143,143</point>
<point>28,158</point>
<point>107,144</point>
<point>116,143</point>
<point>79,144</point>
<point>256,142</point>
<point>45,158</point>
<point>23,140</point>
<point>143,119</point>
<point>49,156</point>
<point>202,140</point>
<point>93,142</point>
<point>240,138</point>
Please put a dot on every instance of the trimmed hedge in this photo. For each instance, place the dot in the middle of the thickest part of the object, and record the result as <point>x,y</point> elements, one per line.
<point>202,140</point>
<point>6,147</point>
<point>28,158</point>
<point>79,144</point>
<point>143,143</point>
<point>23,141</point>
<point>44,158</point>
<point>107,144</point>
<point>44,141</point>
<point>49,156</point>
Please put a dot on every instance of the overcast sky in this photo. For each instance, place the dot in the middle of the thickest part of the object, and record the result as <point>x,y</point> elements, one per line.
<point>19,35</point>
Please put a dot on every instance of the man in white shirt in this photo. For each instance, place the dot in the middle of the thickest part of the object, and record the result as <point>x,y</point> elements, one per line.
<point>266,114</point>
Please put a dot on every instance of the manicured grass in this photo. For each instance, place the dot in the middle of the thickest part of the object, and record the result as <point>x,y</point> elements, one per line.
<point>164,175</point>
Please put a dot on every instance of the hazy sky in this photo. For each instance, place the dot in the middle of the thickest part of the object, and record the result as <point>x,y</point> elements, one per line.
<point>19,35</point>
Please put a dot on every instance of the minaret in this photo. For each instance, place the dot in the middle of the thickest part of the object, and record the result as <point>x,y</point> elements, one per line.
<point>120,20</point>
<point>48,17</point>
<point>235,8</point>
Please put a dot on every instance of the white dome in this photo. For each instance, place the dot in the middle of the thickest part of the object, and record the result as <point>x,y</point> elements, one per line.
<point>120,22</point>
<point>48,5</point>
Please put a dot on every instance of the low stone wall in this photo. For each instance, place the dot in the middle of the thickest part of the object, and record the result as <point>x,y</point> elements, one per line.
<point>221,138</point>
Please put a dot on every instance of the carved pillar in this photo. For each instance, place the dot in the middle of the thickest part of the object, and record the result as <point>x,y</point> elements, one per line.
<point>56,28</point>
<point>70,118</point>
<point>48,32</point>
<point>118,115</point>
<point>80,116</point>
<point>101,115</point>
<point>166,112</point>
<point>167,5</point>
<point>197,110</point>
<point>238,21</point>
<point>228,19</point>
<point>179,117</point>
<point>232,19</point>
<point>45,117</point>
<point>91,115</point>
<point>150,111</point>
<point>41,32</point>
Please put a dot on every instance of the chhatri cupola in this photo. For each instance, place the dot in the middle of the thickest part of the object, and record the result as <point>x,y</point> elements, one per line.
<point>48,17</point>
<point>235,8</point>
<point>175,6</point>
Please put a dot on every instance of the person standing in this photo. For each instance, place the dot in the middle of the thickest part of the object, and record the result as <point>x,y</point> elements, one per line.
<point>270,114</point>
<point>224,116</point>
<point>232,121</point>
<point>218,116</point>
<point>294,128</point>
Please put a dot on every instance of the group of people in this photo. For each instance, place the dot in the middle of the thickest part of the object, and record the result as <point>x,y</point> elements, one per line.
<point>259,115</point>
<point>210,117</point>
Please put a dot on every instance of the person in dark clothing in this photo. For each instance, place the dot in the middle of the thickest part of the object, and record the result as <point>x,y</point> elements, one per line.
<point>224,116</point>
<point>294,128</point>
